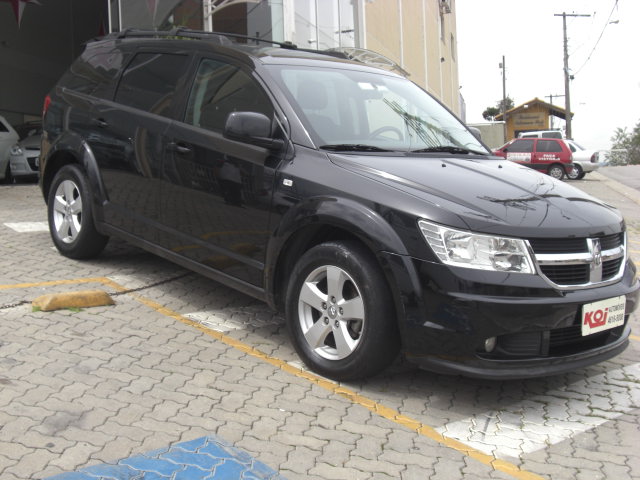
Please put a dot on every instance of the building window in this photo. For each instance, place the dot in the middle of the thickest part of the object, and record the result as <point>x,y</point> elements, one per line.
<point>453,47</point>
<point>156,14</point>
<point>324,24</point>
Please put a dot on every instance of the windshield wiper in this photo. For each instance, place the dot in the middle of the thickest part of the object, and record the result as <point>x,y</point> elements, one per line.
<point>447,149</point>
<point>353,147</point>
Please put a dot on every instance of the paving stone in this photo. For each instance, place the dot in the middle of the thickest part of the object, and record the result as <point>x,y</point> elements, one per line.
<point>105,384</point>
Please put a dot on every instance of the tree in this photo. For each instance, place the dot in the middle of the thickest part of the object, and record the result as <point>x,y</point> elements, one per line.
<point>508,104</point>
<point>491,112</point>
<point>625,148</point>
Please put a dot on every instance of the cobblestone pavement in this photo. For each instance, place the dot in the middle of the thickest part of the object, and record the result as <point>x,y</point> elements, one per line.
<point>187,358</point>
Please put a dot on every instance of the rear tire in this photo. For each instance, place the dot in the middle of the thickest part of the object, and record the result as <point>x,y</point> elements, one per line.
<point>556,171</point>
<point>340,312</point>
<point>71,222</point>
<point>576,172</point>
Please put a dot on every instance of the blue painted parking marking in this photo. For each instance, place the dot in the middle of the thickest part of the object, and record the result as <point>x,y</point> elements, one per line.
<point>206,458</point>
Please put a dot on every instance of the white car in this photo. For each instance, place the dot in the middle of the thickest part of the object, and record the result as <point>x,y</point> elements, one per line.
<point>8,138</point>
<point>24,156</point>
<point>584,161</point>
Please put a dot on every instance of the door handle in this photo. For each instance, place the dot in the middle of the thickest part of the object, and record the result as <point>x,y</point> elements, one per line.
<point>100,122</point>
<point>178,148</point>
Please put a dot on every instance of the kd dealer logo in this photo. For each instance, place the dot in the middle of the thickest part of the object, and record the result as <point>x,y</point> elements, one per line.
<point>596,318</point>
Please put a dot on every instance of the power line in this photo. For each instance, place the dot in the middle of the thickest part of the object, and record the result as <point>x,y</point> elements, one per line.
<point>598,41</point>
<point>567,98</point>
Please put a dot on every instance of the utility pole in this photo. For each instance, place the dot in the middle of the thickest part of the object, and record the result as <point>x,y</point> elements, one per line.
<point>550,97</point>
<point>567,78</point>
<point>503,66</point>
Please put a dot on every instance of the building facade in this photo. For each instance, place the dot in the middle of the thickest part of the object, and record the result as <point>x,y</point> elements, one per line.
<point>38,40</point>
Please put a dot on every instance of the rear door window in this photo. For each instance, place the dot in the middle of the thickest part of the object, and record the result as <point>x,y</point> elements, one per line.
<point>550,146</point>
<point>149,82</point>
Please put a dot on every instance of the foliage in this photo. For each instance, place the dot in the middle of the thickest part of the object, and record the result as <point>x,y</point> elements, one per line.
<point>491,112</point>
<point>625,148</point>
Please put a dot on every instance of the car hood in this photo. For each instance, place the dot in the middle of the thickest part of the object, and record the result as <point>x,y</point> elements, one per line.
<point>32,142</point>
<point>488,195</point>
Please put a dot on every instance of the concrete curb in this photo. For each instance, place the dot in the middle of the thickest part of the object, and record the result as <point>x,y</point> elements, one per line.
<point>631,193</point>
<point>82,299</point>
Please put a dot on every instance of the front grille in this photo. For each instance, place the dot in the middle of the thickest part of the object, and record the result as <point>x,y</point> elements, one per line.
<point>611,268</point>
<point>583,262</point>
<point>612,241</point>
<point>558,245</point>
<point>569,340</point>
<point>566,274</point>
<point>551,343</point>
<point>32,162</point>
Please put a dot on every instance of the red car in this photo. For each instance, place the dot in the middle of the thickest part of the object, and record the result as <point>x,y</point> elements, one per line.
<point>549,155</point>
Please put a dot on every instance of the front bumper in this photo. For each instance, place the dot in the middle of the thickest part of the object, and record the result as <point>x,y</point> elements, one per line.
<point>446,315</point>
<point>24,165</point>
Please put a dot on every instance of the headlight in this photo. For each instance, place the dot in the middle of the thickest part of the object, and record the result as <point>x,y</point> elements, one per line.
<point>472,250</point>
<point>16,150</point>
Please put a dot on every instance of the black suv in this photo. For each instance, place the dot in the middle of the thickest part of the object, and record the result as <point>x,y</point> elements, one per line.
<point>339,193</point>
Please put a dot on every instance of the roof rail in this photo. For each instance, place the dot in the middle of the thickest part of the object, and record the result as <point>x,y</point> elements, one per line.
<point>361,55</point>
<point>368,57</point>
<point>188,33</point>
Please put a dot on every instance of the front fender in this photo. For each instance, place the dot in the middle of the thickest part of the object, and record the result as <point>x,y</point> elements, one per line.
<point>355,217</point>
<point>304,225</point>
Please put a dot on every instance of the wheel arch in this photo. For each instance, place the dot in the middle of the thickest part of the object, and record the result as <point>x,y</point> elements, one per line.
<point>70,148</point>
<point>560,165</point>
<point>318,221</point>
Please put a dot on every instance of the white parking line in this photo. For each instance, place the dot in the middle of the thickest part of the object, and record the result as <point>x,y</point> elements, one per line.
<point>23,227</point>
<point>544,420</point>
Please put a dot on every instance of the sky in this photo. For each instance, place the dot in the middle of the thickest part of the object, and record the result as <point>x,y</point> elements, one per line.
<point>605,92</point>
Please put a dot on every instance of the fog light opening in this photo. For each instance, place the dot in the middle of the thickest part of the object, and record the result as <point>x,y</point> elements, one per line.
<point>490,344</point>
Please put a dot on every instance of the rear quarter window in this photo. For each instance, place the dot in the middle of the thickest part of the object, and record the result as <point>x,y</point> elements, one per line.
<point>95,73</point>
<point>150,80</point>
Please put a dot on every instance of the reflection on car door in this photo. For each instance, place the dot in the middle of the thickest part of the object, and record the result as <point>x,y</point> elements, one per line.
<point>220,190</point>
<point>130,142</point>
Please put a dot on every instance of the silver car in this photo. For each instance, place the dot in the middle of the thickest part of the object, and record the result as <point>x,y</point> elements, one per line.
<point>24,157</point>
<point>584,161</point>
<point>8,137</point>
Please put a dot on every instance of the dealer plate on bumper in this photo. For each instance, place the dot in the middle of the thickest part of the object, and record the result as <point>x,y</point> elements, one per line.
<point>603,315</point>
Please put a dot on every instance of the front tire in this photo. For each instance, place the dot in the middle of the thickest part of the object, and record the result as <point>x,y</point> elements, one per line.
<point>70,215</point>
<point>340,312</point>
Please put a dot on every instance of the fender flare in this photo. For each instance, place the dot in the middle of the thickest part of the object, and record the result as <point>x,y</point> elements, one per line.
<point>359,219</point>
<point>73,145</point>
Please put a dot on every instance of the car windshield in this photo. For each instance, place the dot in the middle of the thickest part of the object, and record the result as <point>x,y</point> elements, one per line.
<point>347,110</point>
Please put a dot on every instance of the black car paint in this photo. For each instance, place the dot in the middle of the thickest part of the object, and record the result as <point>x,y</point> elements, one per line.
<point>138,169</point>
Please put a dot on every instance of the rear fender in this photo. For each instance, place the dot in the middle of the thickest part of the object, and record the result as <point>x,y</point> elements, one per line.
<point>71,148</point>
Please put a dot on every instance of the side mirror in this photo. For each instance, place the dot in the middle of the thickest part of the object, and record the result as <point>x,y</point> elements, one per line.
<point>251,127</point>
